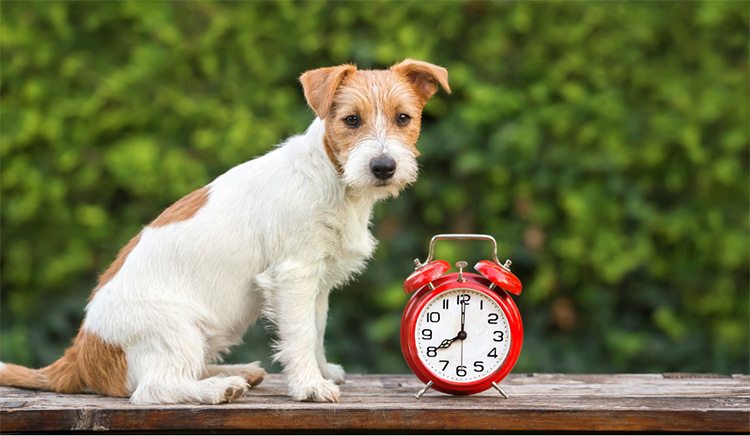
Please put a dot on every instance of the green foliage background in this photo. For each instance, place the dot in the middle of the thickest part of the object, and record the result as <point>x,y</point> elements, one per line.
<point>604,144</point>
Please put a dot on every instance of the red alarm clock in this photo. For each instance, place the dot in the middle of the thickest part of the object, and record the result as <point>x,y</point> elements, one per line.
<point>461,333</point>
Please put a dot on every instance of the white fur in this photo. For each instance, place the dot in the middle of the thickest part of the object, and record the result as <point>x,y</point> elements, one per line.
<point>359,177</point>
<point>276,235</point>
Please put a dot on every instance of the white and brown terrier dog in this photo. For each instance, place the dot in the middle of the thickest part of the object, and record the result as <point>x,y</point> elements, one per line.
<point>271,237</point>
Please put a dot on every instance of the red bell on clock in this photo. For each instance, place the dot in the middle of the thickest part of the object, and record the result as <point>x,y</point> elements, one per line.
<point>461,333</point>
<point>425,275</point>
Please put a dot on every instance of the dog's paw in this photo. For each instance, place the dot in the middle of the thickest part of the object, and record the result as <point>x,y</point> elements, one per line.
<point>333,372</point>
<point>252,373</point>
<point>324,391</point>
<point>233,388</point>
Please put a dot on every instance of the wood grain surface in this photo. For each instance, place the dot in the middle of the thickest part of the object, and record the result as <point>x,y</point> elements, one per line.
<point>676,402</point>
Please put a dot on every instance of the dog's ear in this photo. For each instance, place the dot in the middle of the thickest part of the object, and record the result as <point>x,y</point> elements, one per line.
<point>423,76</point>
<point>321,84</point>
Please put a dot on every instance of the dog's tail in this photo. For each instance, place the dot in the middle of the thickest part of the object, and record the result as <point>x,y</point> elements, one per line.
<point>63,376</point>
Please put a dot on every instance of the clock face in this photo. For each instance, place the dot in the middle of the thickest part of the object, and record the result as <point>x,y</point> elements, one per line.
<point>462,355</point>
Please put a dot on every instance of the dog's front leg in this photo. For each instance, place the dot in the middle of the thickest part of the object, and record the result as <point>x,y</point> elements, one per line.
<point>291,291</point>
<point>331,371</point>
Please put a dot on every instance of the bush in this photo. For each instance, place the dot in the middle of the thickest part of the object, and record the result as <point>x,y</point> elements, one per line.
<point>605,146</point>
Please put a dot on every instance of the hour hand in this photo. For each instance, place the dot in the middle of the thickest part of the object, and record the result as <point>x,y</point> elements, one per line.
<point>447,342</point>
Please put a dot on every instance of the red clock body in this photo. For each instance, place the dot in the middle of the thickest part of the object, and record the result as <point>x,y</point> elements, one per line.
<point>461,331</point>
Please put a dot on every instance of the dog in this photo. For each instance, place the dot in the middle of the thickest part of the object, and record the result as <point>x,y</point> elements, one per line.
<point>270,237</point>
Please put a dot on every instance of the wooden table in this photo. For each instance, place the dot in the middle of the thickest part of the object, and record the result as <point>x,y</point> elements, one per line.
<point>538,403</point>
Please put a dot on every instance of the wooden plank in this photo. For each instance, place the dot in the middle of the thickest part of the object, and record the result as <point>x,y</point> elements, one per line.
<point>538,402</point>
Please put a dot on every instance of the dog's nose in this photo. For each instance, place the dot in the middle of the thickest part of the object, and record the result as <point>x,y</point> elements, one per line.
<point>383,167</point>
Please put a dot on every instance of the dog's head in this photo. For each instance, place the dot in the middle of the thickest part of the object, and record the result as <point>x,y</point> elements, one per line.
<point>372,120</point>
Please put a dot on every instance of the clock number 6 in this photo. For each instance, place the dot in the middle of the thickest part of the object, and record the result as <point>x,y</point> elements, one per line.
<point>461,371</point>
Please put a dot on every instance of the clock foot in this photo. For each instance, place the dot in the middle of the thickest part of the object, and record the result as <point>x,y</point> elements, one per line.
<point>494,385</point>
<point>419,395</point>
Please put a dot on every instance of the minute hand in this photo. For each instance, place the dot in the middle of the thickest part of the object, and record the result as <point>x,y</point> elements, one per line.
<point>463,313</point>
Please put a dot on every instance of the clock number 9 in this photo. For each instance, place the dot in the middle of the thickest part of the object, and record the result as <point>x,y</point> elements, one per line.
<point>426,334</point>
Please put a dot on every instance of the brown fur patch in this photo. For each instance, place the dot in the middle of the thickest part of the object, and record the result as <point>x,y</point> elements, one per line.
<point>110,273</point>
<point>102,366</point>
<point>184,209</point>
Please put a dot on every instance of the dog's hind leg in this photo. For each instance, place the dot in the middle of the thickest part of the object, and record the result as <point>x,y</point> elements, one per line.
<point>251,372</point>
<point>212,390</point>
<point>170,369</point>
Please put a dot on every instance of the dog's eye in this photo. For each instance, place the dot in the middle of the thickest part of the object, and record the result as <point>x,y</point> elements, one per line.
<point>352,121</point>
<point>403,119</point>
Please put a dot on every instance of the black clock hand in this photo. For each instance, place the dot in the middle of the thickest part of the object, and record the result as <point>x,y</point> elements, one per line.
<point>463,311</point>
<point>447,342</point>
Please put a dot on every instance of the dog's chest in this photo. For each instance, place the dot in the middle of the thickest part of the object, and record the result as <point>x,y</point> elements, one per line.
<point>347,241</point>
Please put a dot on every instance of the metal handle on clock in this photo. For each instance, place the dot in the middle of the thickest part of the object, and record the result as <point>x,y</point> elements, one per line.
<point>459,236</point>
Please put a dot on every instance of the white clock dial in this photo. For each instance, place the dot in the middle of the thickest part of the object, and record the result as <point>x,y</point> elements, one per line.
<point>443,348</point>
